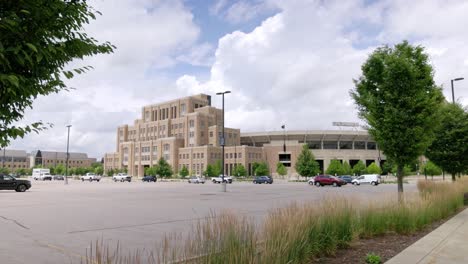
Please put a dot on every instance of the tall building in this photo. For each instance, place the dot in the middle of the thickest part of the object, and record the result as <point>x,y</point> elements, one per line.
<point>184,132</point>
<point>187,132</point>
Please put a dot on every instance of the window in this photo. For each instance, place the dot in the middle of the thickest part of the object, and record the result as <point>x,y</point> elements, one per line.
<point>191,134</point>
<point>359,145</point>
<point>155,148</point>
<point>166,147</point>
<point>193,156</point>
<point>314,144</point>
<point>240,155</point>
<point>202,134</point>
<point>230,155</point>
<point>166,156</point>
<point>346,144</point>
<point>182,109</point>
<point>198,155</point>
<point>136,149</point>
<point>371,145</point>
<point>202,155</point>
<point>191,123</point>
<point>330,145</point>
<point>211,134</point>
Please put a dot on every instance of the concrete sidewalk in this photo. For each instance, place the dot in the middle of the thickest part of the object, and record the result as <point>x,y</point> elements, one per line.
<point>448,244</point>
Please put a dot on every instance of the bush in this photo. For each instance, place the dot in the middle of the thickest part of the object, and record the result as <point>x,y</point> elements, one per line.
<point>371,258</point>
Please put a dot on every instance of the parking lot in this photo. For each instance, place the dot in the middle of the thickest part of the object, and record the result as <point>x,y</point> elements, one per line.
<point>55,223</point>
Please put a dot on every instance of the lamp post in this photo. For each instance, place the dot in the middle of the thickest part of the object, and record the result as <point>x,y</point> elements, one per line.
<point>454,80</point>
<point>223,143</point>
<point>3,160</point>
<point>284,137</point>
<point>68,155</point>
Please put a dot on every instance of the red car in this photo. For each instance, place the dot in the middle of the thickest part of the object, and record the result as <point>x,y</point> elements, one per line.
<point>322,180</point>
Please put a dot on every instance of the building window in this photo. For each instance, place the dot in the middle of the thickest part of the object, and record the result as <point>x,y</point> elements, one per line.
<point>211,134</point>
<point>198,155</point>
<point>240,155</point>
<point>191,123</point>
<point>166,147</point>
<point>359,145</point>
<point>202,155</point>
<point>371,145</point>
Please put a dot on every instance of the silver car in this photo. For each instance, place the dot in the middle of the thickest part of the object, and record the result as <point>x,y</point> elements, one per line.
<point>196,179</point>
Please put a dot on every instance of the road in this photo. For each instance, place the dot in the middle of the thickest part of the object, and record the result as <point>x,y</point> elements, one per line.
<point>56,223</point>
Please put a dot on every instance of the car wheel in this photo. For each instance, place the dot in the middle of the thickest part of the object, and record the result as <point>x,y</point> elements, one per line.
<point>311,183</point>
<point>98,180</point>
<point>122,180</point>
<point>115,180</point>
<point>21,188</point>
<point>90,180</point>
<point>317,184</point>
<point>335,184</point>
<point>372,183</point>
<point>354,183</point>
<point>82,179</point>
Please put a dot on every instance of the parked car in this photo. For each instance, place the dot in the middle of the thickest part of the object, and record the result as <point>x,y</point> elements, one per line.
<point>58,178</point>
<point>45,177</point>
<point>8,182</point>
<point>346,178</point>
<point>196,179</point>
<point>150,179</point>
<point>263,179</point>
<point>90,177</point>
<point>372,179</point>
<point>122,177</point>
<point>322,180</point>
<point>227,179</point>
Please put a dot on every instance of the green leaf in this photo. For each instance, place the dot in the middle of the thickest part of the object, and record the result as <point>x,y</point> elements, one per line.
<point>31,46</point>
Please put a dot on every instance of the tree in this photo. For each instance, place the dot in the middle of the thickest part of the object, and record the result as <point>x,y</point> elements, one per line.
<point>60,169</point>
<point>38,39</point>
<point>239,170</point>
<point>397,97</point>
<point>52,170</point>
<point>5,170</point>
<point>164,169</point>
<point>387,168</point>
<point>21,171</point>
<point>72,171</point>
<point>449,150</point>
<point>110,172</point>
<point>359,168</point>
<point>184,172</point>
<point>306,165</point>
<point>218,168</point>
<point>347,170</point>
<point>281,169</point>
<point>99,170</point>
<point>262,169</point>
<point>335,168</point>
<point>211,171</point>
<point>431,169</point>
<point>374,169</point>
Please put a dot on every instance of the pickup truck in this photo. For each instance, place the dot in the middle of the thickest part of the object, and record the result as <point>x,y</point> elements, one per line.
<point>90,177</point>
<point>11,183</point>
<point>122,177</point>
<point>219,179</point>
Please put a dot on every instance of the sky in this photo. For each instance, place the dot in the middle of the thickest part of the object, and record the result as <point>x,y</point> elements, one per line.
<point>286,62</point>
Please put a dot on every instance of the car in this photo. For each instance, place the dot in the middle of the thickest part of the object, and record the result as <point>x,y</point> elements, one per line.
<point>58,178</point>
<point>311,181</point>
<point>372,179</point>
<point>8,182</point>
<point>90,177</point>
<point>346,178</point>
<point>227,179</point>
<point>46,177</point>
<point>196,179</point>
<point>149,179</point>
<point>263,179</point>
<point>122,177</point>
<point>322,180</point>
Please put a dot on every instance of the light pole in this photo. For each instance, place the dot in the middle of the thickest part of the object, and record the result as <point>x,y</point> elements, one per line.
<point>223,141</point>
<point>284,137</point>
<point>68,155</point>
<point>3,160</point>
<point>453,93</point>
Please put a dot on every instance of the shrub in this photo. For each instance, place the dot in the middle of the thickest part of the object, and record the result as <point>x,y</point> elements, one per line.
<point>371,258</point>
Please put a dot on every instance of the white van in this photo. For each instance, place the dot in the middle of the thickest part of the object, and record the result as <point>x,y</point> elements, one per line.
<point>38,174</point>
<point>373,179</point>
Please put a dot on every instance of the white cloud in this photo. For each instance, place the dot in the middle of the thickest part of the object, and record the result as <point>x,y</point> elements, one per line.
<point>295,68</point>
<point>149,36</point>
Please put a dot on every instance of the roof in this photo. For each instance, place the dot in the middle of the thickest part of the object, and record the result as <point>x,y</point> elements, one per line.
<point>305,135</point>
<point>14,153</point>
<point>60,155</point>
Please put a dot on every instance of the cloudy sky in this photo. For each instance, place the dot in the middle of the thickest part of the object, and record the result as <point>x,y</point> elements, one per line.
<point>286,62</point>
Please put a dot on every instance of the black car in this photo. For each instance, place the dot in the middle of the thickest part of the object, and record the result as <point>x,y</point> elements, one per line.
<point>8,182</point>
<point>150,179</point>
<point>58,178</point>
<point>263,179</point>
<point>346,178</point>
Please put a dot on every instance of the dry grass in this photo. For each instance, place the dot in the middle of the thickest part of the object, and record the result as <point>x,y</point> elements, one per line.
<point>297,233</point>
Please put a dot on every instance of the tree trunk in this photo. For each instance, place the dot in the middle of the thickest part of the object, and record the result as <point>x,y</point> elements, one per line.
<point>400,183</point>
<point>454,176</point>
